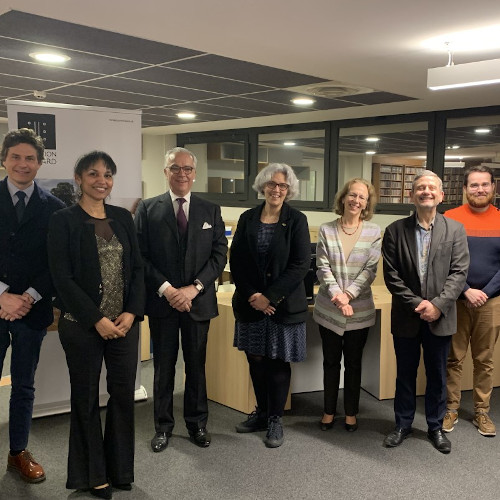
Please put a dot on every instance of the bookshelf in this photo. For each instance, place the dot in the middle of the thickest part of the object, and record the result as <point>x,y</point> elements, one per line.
<point>393,182</point>
<point>453,185</point>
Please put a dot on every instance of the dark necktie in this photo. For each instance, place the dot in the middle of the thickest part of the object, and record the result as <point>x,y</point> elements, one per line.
<point>20,205</point>
<point>182,222</point>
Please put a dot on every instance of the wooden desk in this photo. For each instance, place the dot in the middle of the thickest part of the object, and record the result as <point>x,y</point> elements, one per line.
<point>228,378</point>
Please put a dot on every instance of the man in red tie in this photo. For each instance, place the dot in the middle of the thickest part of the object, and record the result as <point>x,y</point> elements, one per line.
<point>184,249</point>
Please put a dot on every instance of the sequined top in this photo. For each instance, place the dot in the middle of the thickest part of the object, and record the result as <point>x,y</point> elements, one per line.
<point>110,252</point>
<point>110,259</point>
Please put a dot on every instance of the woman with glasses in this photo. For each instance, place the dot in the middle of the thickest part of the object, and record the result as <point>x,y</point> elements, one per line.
<point>270,256</point>
<point>347,255</point>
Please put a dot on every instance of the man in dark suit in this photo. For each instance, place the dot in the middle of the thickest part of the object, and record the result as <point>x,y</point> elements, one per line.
<point>184,249</point>
<point>425,266</point>
<point>25,285</point>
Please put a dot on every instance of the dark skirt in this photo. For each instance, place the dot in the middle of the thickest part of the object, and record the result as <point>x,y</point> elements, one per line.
<point>273,340</point>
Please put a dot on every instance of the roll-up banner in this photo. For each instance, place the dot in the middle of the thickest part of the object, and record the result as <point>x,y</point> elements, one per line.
<point>68,132</point>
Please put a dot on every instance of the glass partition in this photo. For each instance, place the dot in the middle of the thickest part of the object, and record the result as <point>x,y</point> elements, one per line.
<point>469,142</point>
<point>388,155</point>
<point>304,151</point>
<point>221,167</point>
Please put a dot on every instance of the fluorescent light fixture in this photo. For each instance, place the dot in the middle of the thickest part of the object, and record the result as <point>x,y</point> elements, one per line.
<point>372,139</point>
<point>370,152</point>
<point>482,130</point>
<point>464,75</point>
<point>454,164</point>
<point>186,115</point>
<point>289,143</point>
<point>453,146</point>
<point>49,57</point>
<point>303,101</point>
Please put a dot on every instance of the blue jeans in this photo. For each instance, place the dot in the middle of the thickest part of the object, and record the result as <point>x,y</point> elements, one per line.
<point>26,344</point>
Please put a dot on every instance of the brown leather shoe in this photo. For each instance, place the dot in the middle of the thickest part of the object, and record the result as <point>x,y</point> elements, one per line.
<point>24,464</point>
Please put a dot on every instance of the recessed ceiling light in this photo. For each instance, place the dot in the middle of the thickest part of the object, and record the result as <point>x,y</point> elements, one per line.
<point>370,152</point>
<point>303,101</point>
<point>186,115</point>
<point>49,57</point>
<point>482,130</point>
<point>289,143</point>
<point>372,139</point>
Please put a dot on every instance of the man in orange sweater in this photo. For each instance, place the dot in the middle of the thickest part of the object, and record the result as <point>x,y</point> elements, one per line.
<point>478,307</point>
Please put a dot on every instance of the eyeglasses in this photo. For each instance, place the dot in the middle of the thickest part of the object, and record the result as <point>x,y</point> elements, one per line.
<point>175,169</point>
<point>484,186</point>
<point>272,185</point>
<point>354,196</point>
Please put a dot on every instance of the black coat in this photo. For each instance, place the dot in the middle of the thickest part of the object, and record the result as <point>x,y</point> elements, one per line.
<point>203,257</point>
<point>74,264</point>
<point>282,279</point>
<point>23,251</point>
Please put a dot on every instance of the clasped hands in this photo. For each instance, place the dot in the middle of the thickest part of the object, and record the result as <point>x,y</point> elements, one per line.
<point>181,298</point>
<point>475,298</point>
<point>261,303</point>
<point>14,306</point>
<point>341,300</point>
<point>109,330</point>
<point>428,311</point>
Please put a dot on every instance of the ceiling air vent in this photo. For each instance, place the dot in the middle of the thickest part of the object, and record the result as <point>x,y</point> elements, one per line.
<point>330,90</point>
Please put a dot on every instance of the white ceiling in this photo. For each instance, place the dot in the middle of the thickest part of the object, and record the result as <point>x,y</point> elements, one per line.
<point>374,44</point>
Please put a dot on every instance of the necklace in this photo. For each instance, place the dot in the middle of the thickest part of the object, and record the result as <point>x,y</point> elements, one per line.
<point>344,228</point>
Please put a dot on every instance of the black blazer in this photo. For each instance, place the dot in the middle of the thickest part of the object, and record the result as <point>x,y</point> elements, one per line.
<point>75,268</point>
<point>204,258</point>
<point>23,251</point>
<point>446,274</point>
<point>282,279</point>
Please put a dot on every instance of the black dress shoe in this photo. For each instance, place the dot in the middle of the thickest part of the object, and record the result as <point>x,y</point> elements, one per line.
<point>326,426</point>
<point>160,441</point>
<point>106,492</point>
<point>396,437</point>
<point>439,440</point>
<point>201,437</point>
<point>351,427</point>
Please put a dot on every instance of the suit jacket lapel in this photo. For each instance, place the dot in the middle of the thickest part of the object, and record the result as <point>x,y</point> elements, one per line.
<point>6,201</point>
<point>411,240</point>
<point>437,235</point>
<point>169,214</point>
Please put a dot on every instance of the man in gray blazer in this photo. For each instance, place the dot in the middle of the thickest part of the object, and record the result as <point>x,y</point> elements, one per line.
<point>184,248</point>
<point>426,259</point>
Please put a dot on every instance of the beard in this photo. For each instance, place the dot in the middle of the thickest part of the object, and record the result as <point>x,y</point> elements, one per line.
<point>482,202</point>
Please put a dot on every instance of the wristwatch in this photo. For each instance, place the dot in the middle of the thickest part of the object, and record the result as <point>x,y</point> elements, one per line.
<point>198,285</point>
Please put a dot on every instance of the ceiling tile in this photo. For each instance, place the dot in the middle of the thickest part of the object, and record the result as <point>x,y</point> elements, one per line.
<point>74,36</point>
<point>194,81</point>
<point>210,64</point>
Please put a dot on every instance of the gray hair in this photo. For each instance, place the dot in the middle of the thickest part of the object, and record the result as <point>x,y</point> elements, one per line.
<point>171,153</point>
<point>426,173</point>
<point>265,175</point>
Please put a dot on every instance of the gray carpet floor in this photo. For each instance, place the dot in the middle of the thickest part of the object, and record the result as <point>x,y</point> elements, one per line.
<point>311,464</point>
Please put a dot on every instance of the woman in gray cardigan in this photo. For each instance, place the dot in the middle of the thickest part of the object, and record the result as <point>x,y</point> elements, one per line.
<point>347,254</point>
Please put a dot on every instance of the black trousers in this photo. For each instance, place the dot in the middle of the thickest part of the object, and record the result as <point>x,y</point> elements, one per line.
<point>351,344</point>
<point>165,336</point>
<point>408,358</point>
<point>271,383</point>
<point>93,459</point>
